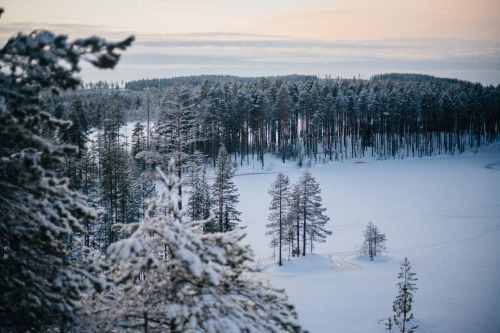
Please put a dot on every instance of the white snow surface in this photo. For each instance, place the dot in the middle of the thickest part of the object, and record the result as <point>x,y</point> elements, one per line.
<point>443,213</point>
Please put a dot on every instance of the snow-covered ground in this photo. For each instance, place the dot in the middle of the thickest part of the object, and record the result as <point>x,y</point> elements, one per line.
<point>443,213</point>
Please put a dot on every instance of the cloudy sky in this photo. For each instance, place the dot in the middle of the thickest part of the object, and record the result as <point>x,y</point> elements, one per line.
<point>347,38</point>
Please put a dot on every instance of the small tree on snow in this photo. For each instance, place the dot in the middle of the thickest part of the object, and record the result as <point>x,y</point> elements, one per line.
<point>374,241</point>
<point>203,287</point>
<point>402,305</point>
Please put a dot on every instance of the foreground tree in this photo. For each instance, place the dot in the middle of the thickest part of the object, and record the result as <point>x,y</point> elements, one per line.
<point>403,303</point>
<point>204,286</point>
<point>39,286</point>
<point>279,191</point>
<point>374,242</point>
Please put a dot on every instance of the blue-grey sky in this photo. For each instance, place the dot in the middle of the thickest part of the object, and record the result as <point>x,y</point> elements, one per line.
<point>450,38</point>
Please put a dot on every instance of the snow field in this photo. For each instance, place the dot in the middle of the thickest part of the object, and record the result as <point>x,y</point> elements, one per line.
<point>443,213</point>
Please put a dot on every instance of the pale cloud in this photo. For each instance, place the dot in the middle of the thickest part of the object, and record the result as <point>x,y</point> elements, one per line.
<point>243,55</point>
<point>368,20</point>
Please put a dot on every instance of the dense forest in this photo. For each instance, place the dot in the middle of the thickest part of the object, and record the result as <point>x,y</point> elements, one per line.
<point>302,119</point>
<point>297,117</point>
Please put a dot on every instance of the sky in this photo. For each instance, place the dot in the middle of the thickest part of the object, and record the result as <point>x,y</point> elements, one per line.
<point>337,38</point>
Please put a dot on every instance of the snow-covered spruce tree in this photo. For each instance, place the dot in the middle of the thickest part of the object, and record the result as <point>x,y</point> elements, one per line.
<point>199,203</point>
<point>313,218</point>
<point>374,242</point>
<point>205,285</point>
<point>39,286</point>
<point>224,197</point>
<point>279,191</point>
<point>402,305</point>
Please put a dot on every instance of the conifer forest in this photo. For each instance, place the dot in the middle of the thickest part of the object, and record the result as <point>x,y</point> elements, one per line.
<point>104,229</point>
<point>303,120</point>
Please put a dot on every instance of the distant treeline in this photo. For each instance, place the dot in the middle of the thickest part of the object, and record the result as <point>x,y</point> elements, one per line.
<point>302,119</point>
<point>307,118</point>
<point>197,80</point>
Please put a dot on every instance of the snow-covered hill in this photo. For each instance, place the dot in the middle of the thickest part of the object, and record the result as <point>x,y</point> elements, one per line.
<point>443,213</point>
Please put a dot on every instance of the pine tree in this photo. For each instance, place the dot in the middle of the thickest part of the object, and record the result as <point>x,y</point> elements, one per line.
<point>75,134</point>
<point>127,188</point>
<point>176,130</point>
<point>203,287</point>
<point>224,197</point>
<point>374,242</point>
<point>313,218</point>
<point>138,145</point>
<point>279,191</point>
<point>402,305</point>
<point>283,112</point>
<point>199,202</point>
<point>39,286</point>
<point>90,188</point>
<point>294,217</point>
<point>118,193</point>
<point>144,190</point>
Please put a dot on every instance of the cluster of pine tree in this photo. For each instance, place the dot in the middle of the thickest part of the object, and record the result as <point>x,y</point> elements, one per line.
<point>304,118</point>
<point>295,213</point>
<point>297,117</point>
<point>374,242</point>
<point>220,197</point>
<point>104,170</point>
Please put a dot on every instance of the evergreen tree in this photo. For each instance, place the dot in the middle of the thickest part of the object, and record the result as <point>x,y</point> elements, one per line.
<point>145,189</point>
<point>313,218</point>
<point>199,202</point>
<point>127,188</point>
<point>117,191</point>
<point>138,145</point>
<point>283,113</point>
<point>279,191</point>
<point>76,133</point>
<point>90,188</point>
<point>39,286</point>
<point>224,197</point>
<point>294,217</point>
<point>176,130</point>
<point>374,241</point>
<point>403,303</point>
<point>203,287</point>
